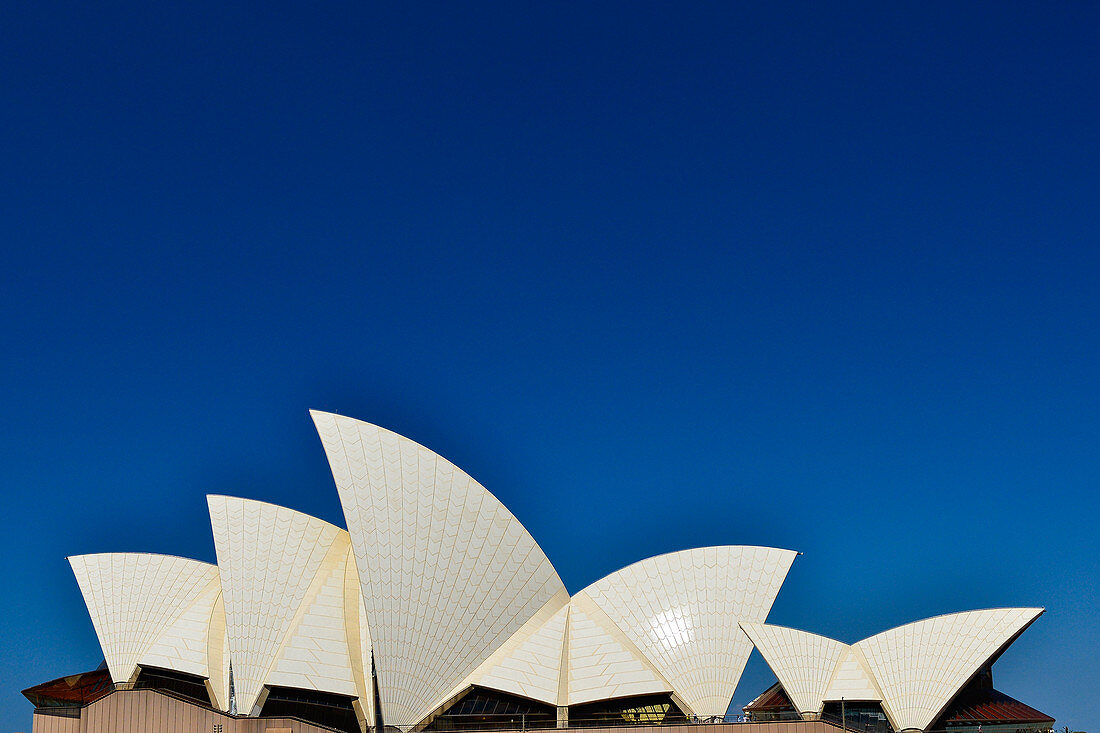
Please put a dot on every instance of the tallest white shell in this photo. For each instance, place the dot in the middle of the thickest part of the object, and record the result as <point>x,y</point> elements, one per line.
<point>448,573</point>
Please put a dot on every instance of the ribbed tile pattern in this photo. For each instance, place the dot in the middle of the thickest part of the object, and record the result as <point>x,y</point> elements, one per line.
<point>445,589</point>
<point>448,573</point>
<point>851,680</point>
<point>269,557</point>
<point>529,664</point>
<point>803,662</point>
<point>603,664</point>
<point>920,666</point>
<point>134,598</point>
<point>358,637</point>
<point>185,644</point>
<point>682,611</point>
<point>366,685</point>
<point>316,654</point>
<point>218,654</point>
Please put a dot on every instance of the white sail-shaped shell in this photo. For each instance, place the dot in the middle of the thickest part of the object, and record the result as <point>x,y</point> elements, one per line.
<point>282,575</point>
<point>921,666</point>
<point>529,663</point>
<point>448,573</point>
<point>803,662</point>
<point>602,661</point>
<point>144,604</point>
<point>852,680</point>
<point>681,610</point>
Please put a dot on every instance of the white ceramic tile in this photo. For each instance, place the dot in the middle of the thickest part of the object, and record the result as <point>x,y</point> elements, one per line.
<point>921,666</point>
<point>184,645</point>
<point>529,663</point>
<point>135,598</point>
<point>851,680</point>
<point>447,572</point>
<point>803,662</point>
<point>603,662</point>
<point>269,558</point>
<point>681,610</point>
<point>315,654</point>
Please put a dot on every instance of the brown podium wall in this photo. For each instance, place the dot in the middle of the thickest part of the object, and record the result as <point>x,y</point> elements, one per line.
<point>148,711</point>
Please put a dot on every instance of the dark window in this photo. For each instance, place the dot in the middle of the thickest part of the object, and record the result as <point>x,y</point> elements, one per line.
<point>185,685</point>
<point>862,717</point>
<point>323,708</point>
<point>483,709</point>
<point>642,709</point>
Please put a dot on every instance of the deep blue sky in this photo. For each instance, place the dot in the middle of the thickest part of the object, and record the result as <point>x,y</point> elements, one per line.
<point>822,278</point>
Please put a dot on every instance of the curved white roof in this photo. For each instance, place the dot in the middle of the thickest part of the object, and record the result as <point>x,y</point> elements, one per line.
<point>185,644</point>
<point>282,576</point>
<point>852,680</point>
<point>218,656</point>
<point>529,663</point>
<point>803,662</point>
<point>358,639</point>
<point>448,573</point>
<point>681,610</point>
<point>569,653</point>
<point>921,666</point>
<point>444,589</point>
<point>913,670</point>
<point>152,608</point>
<point>603,663</point>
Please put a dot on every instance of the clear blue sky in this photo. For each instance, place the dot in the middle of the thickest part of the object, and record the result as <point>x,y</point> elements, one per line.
<point>821,278</point>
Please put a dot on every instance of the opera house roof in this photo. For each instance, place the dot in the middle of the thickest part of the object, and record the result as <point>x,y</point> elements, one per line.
<point>435,588</point>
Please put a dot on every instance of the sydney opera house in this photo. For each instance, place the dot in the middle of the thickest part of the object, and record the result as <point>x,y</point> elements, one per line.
<point>435,610</point>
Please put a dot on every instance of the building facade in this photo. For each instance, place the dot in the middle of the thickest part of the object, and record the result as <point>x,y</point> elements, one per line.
<point>435,610</point>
